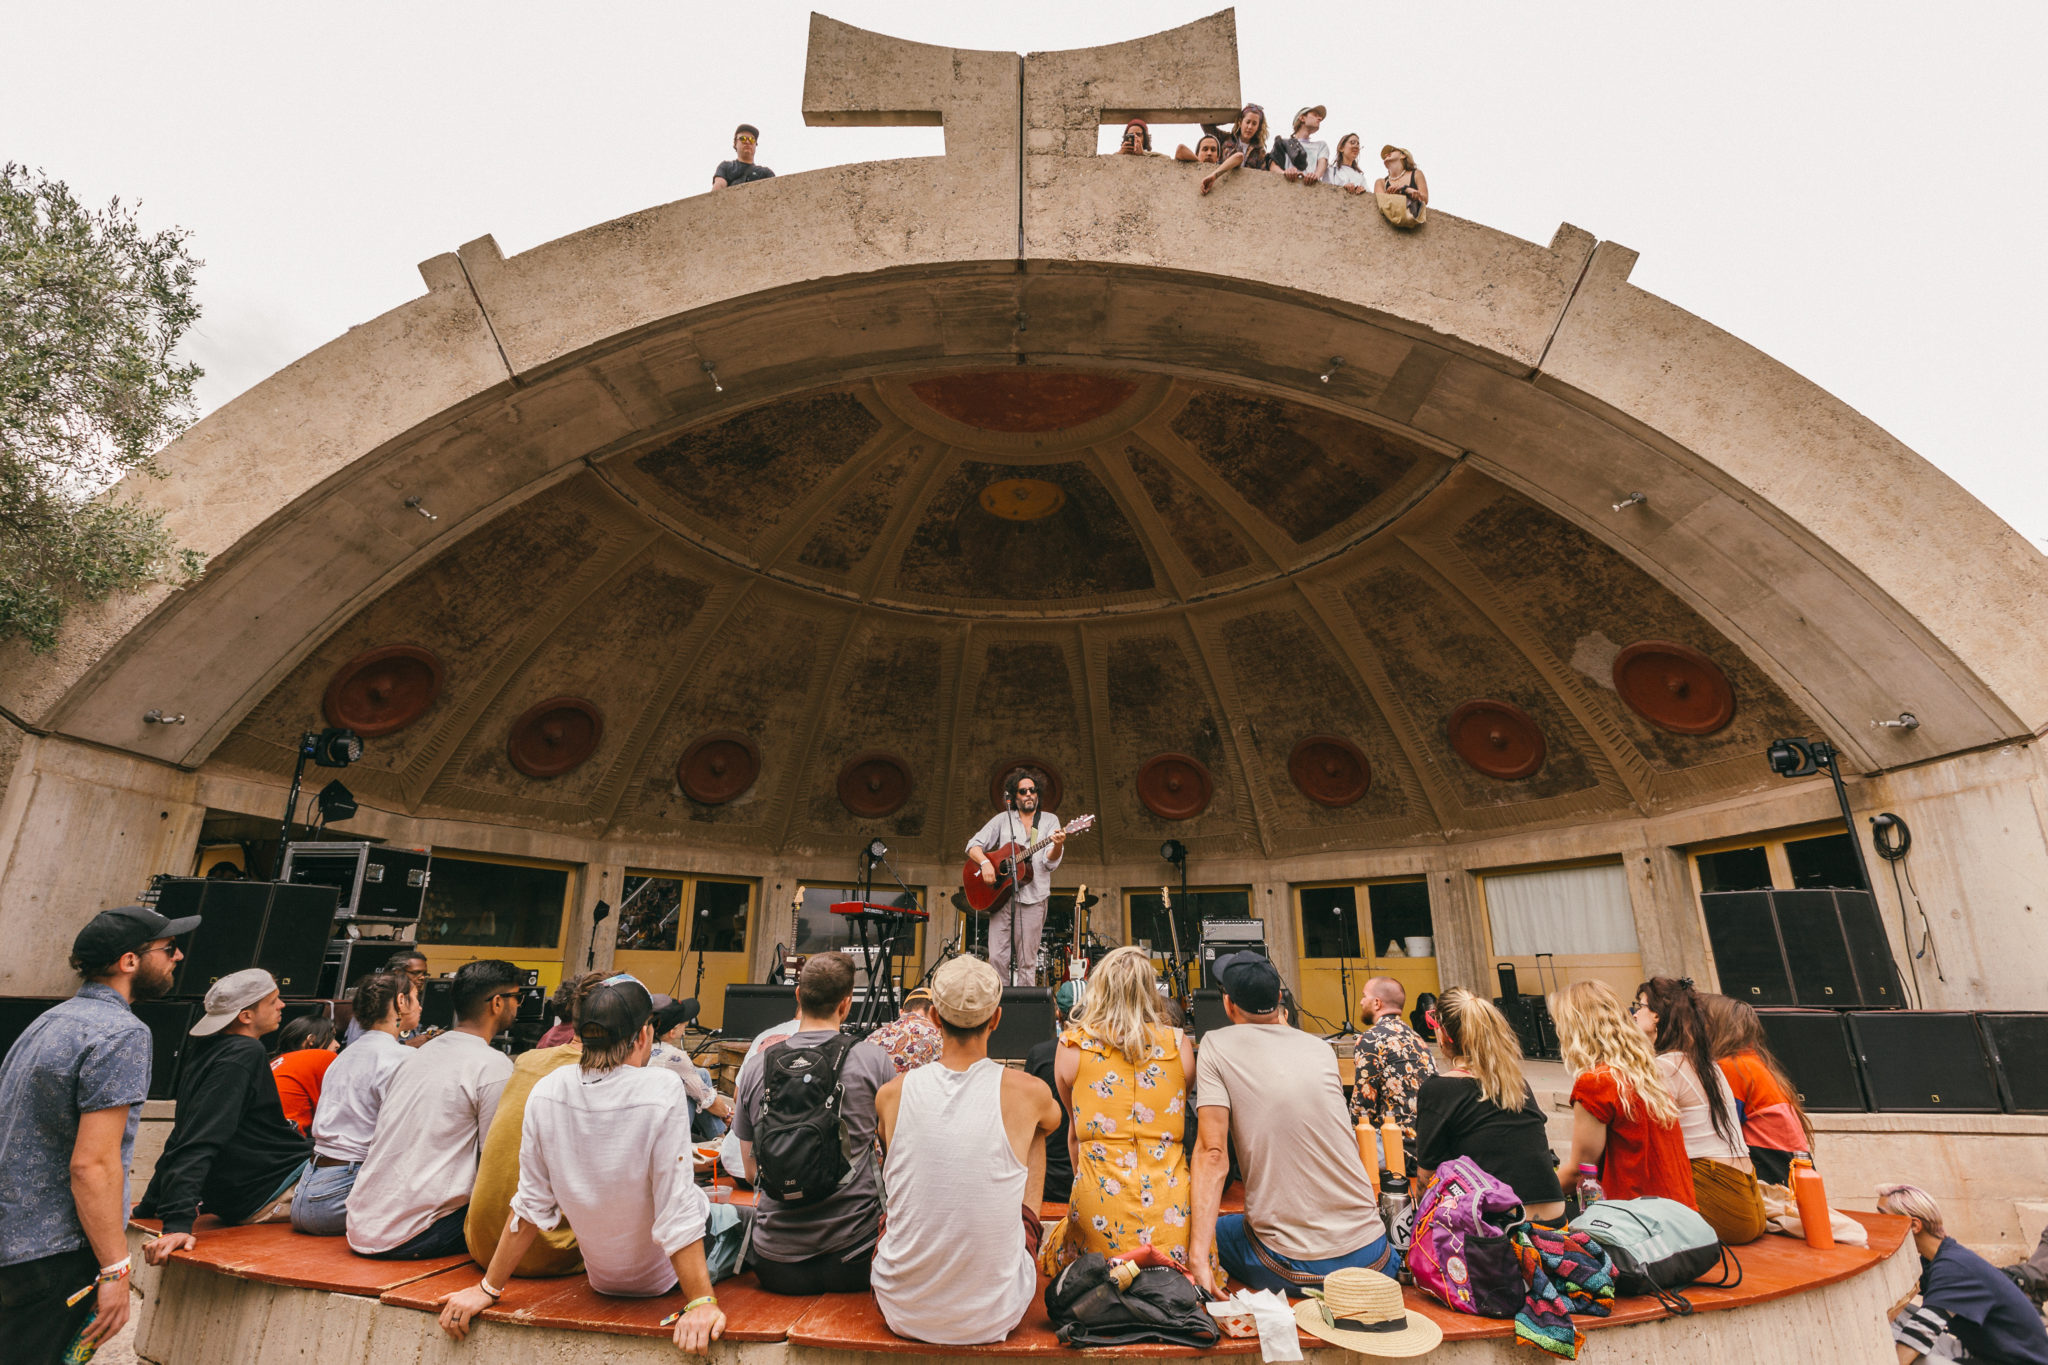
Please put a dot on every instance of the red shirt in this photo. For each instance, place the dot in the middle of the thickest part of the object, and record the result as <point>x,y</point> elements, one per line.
<point>1643,1156</point>
<point>1768,1119</point>
<point>298,1077</point>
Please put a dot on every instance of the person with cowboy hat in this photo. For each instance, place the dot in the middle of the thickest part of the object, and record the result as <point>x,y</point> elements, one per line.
<point>965,1139</point>
<point>72,1088</point>
<point>1362,1311</point>
<point>1273,1092</point>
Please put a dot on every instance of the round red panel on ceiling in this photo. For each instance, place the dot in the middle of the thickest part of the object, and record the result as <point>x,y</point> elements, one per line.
<point>874,785</point>
<point>718,768</point>
<point>554,737</point>
<point>1498,738</point>
<point>1024,400</point>
<point>1329,771</point>
<point>1050,788</point>
<point>383,690</point>
<point>1674,687</point>
<point>1175,786</point>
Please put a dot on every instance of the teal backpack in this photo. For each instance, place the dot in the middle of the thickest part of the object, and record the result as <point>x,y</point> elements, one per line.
<point>1659,1246</point>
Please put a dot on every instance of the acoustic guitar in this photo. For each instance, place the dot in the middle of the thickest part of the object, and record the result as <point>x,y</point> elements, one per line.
<point>1013,869</point>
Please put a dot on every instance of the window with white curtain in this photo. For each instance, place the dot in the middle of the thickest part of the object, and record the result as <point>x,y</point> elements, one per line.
<point>1565,910</point>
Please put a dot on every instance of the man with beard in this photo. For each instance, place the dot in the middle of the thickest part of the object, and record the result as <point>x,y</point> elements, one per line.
<point>1014,930</point>
<point>71,1093</point>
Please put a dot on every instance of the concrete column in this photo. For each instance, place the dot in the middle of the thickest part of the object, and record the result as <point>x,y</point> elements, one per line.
<point>1273,902</point>
<point>580,953</point>
<point>82,829</point>
<point>1670,935</point>
<point>1459,920</point>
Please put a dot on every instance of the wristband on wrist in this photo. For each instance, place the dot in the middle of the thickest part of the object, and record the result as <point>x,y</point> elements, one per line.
<point>694,1304</point>
<point>489,1288</point>
<point>117,1271</point>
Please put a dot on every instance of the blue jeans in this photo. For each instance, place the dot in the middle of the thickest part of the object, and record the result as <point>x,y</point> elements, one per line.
<point>320,1208</point>
<point>443,1237</point>
<point>1251,1262</point>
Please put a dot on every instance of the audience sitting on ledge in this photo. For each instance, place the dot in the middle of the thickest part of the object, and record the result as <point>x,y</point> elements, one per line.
<point>351,1096</point>
<point>606,1147</point>
<point>1273,1092</point>
<point>413,1189</point>
<point>1670,1013</point>
<point>912,1040</point>
<point>231,1147</point>
<point>966,1150</point>
<point>709,1110</point>
<point>1391,1061</point>
<point>305,1050</point>
<point>1482,1107</point>
<point>1774,1122</point>
<point>1624,1119</point>
<point>804,1113</point>
<point>413,967</point>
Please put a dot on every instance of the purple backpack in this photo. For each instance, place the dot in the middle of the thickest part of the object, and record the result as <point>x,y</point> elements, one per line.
<point>1461,1253</point>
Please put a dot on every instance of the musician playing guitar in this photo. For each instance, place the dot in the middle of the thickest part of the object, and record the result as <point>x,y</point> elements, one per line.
<point>1014,930</point>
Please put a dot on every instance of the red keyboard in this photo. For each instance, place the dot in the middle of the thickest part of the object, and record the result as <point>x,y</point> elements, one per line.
<point>870,908</point>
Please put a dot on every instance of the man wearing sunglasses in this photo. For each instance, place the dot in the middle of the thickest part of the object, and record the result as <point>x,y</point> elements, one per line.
<point>745,139</point>
<point>413,1190</point>
<point>72,1089</point>
<point>1015,930</point>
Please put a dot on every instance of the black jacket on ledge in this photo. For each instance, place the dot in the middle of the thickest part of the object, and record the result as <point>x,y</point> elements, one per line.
<point>231,1149</point>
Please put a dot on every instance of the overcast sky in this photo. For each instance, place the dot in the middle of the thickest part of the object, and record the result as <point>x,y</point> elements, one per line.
<point>1857,189</point>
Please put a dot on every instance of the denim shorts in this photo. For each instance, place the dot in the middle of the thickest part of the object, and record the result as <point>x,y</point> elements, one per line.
<point>1251,1262</point>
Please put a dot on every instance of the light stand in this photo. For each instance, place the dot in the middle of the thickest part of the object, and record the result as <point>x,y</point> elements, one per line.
<point>1804,758</point>
<point>330,748</point>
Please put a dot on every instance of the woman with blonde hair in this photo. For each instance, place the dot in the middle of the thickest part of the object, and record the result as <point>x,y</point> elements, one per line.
<point>1482,1106</point>
<point>1624,1120</point>
<point>1122,1075</point>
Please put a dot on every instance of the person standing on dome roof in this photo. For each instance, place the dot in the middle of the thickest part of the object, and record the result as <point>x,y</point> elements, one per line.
<point>1244,145</point>
<point>1303,156</point>
<point>741,170</point>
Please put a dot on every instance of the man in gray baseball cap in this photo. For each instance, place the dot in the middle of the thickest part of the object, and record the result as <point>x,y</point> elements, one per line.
<point>72,1087</point>
<point>232,1152</point>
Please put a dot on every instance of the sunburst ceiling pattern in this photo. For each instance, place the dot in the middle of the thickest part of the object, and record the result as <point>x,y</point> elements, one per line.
<point>1245,622</point>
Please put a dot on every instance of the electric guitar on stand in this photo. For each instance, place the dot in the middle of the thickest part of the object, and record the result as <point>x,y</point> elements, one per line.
<point>1176,970</point>
<point>1075,965</point>
<point>1013,869</point>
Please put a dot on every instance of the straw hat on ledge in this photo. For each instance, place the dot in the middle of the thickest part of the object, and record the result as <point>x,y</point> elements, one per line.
<point>1361,1310</point>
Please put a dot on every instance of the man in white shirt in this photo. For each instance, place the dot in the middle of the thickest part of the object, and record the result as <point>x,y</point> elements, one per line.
<point>1014,930</point>
<point>1304,157</point>
<point>413,1190</point>
<point>606,1145</point>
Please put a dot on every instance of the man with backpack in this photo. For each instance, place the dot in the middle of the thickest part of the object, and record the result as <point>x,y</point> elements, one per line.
<point>804,1114</point>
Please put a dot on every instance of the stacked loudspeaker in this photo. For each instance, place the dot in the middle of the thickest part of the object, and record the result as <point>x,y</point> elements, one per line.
<point>1913,1061</point>
<point>1810,949</point>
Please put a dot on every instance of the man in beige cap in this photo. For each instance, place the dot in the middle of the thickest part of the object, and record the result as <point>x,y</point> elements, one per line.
<point>965,1138</point>
<point>232,1152</point>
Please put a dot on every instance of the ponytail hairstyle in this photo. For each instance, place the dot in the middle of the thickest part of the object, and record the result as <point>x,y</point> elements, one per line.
<point>1594,1032</point>
<point>1682,1028</point>
<point>1477,1037</point>
<point>377,995</point>
<point>1733,1028</point>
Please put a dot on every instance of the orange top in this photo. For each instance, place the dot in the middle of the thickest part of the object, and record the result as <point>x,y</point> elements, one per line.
<point>1768,1119</point>
<point>298,1082</point>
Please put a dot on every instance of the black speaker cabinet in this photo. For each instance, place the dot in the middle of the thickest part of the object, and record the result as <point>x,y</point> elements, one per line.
<point>752,1010</point>
<point>1027,1020</point>
<point>279,927</point>
<point>2018,1044</point>
<point>1924,1062</point>
<point>437,1003</point>
<point>349,960</point>
<point>374,881</point>
<point>1814,1047</point>
<point>1208,1012</point>
<point>170,1033</point>
<point>17,1012</point>
<point>1818,949</point>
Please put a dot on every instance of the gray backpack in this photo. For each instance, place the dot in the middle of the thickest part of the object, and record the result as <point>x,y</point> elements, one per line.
<point>1659,1246</point>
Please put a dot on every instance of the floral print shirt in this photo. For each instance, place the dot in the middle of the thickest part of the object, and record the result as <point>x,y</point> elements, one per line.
<point>911,1041</point>
<point>1393,1061</point>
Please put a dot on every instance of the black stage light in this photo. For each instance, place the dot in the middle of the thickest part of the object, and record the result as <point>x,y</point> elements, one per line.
<point>877,850</point>
<point>1174,851</point>
<point>336,802</point>
<point>331,748</point>
<point>1792,758</point>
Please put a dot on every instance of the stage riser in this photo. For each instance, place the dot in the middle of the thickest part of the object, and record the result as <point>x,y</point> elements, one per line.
<point>193,1316</point>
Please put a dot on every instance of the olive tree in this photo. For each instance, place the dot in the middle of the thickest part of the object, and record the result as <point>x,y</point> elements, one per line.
<point>92,308</point>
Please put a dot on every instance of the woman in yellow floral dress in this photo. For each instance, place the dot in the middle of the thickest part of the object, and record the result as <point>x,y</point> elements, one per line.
<point>1123,1076</point>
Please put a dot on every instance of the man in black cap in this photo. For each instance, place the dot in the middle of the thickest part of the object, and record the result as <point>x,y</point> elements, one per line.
<point>605,1145</point>
<point>1274,1091</point>
<point>742,168</point>
<point>71,1089</point>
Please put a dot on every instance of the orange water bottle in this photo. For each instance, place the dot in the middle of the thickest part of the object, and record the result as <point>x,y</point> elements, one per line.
<point>1368,1152</point>
<point>1390,1141</point>
<point>1812,1198</point>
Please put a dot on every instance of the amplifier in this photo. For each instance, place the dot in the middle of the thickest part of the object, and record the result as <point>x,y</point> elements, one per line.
<point>382,882</point>
<point>349,960</point>
<point>281,928</point>
<point>1233,931</point>
<point>1209,1012</point>
<point>751,1010</point>
<point>1027,1020</point>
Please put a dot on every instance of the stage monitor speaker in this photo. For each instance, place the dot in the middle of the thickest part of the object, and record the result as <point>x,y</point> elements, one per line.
<point>1027,1021</point>
<point>1813,1046</point>
<point>1743,931</point>
<point>2019,1051</point>
<point>1209,1013</point>
<point>281,928</point>
<point>1924,1062</point>
<point>17,1012</point>
<point>751,1010</point>
<point>170,1033</point>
